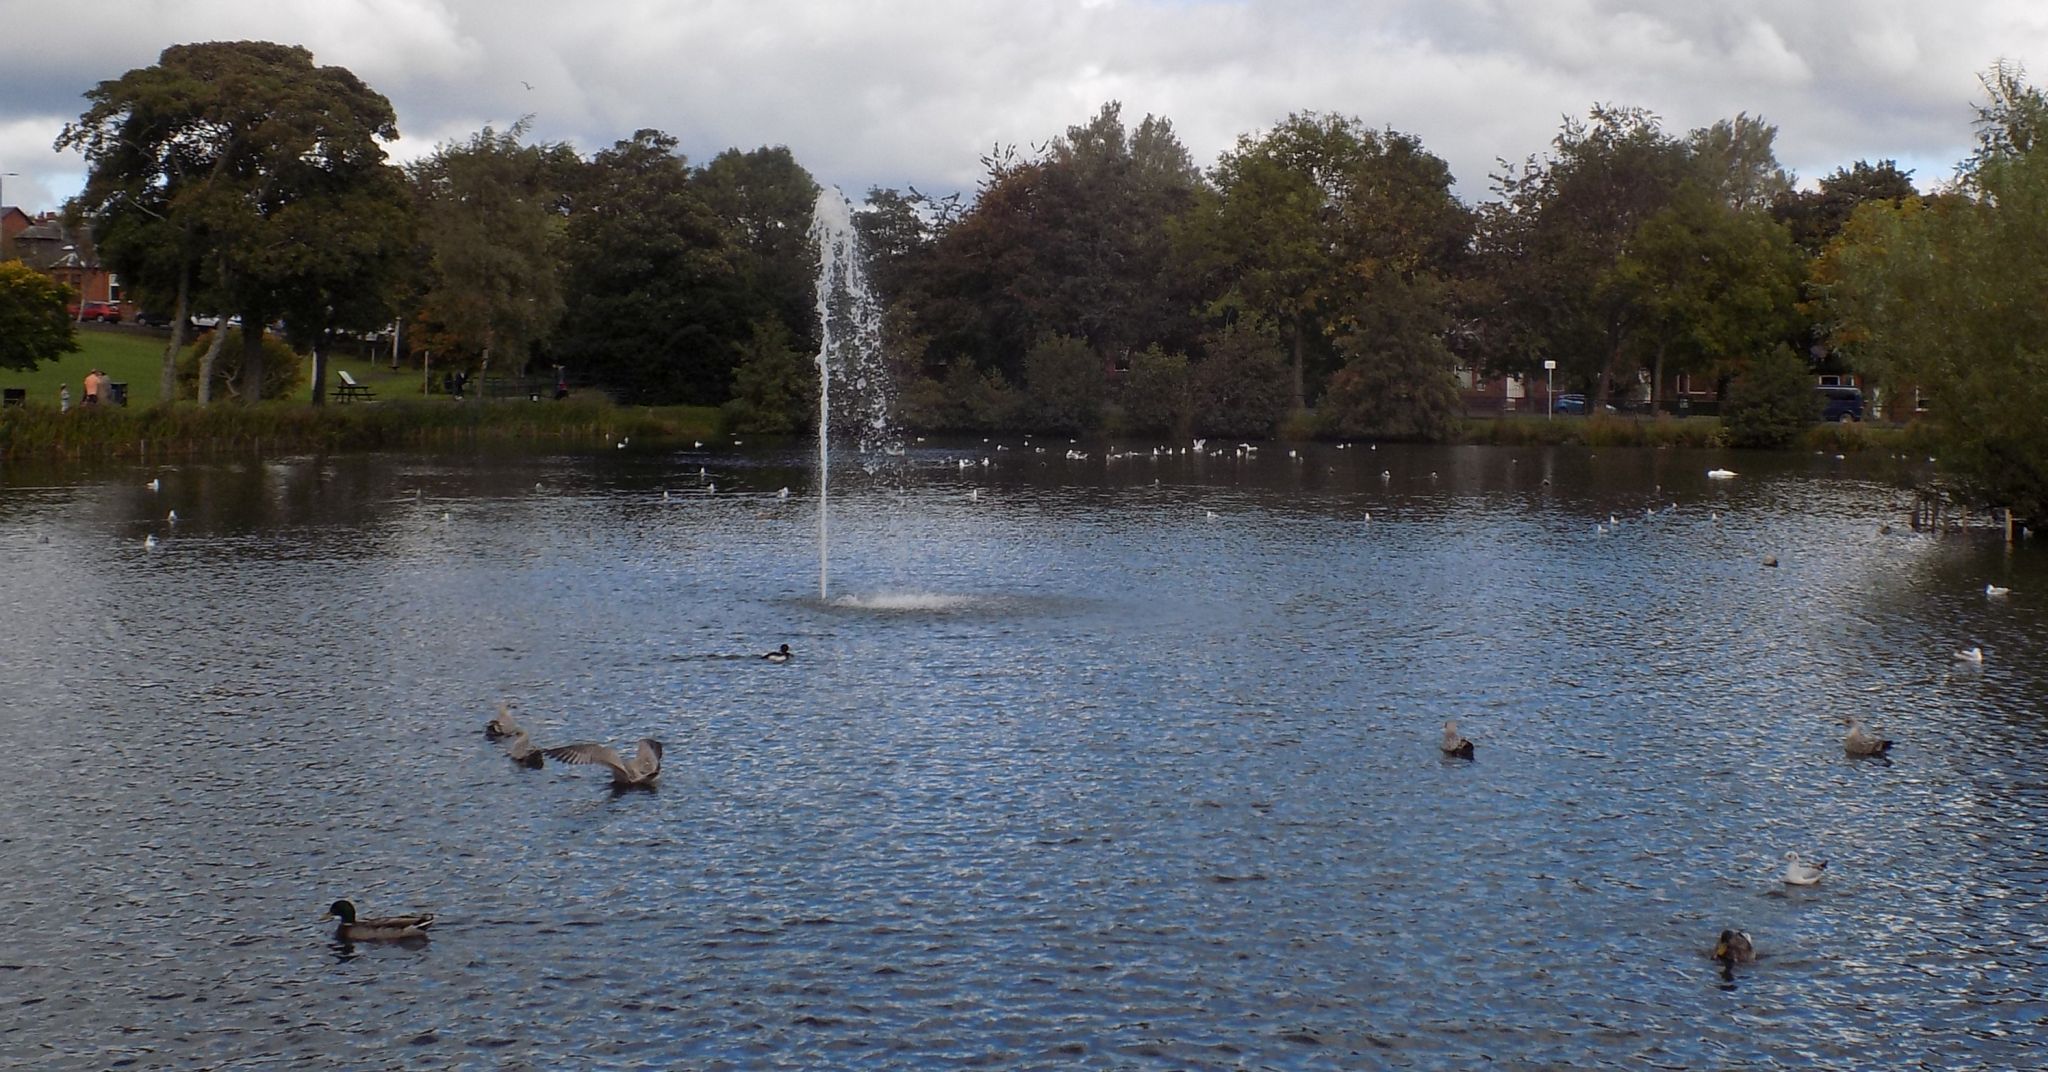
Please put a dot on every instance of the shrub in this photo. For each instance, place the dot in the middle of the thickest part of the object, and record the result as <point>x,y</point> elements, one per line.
<point>1771,403</point>
<point>284,371</point>
<point>1157,394</point>
<point>1241,388</point>
<point>774,387</point>
<point>1064,380</point>
<point>1400,388</point>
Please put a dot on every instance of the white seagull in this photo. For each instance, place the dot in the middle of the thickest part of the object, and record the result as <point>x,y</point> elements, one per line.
<point>1970,655</point>
<point>1799,872</point>
<point>1994,591</point>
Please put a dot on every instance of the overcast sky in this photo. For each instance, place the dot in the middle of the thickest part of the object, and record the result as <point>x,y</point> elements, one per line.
<point>913,92</point>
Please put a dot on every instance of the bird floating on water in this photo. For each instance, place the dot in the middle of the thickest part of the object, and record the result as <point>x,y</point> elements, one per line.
<point>642,769</point>
<point>149,542</point>
<point>1720,474</point>
<point>154,484</point>
<point>377,928</point>
<point>1771,560</point>
<point>1454,744</point>
<point>522,751</point>
<point>1800,872</point>
<point>783,494</point>
<point>1970,655</point>
<point>1859,742</point>
<point>172,517</point>
<point>1994,590</point>
<point>1735,948</point>
<point>779,655</point>
<point>504,724</point>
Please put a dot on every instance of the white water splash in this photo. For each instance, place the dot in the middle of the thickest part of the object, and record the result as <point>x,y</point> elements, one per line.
<point>850,357</point>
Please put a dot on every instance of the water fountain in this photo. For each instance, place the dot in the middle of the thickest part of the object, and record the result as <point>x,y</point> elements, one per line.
<point>851,363</point>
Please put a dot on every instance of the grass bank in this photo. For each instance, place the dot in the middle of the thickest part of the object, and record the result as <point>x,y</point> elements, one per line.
<point>185,429</point>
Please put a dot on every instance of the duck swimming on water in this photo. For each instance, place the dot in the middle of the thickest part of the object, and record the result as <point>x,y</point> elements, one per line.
<point>1455,744</point>
<point>1735,948</point>
<point>377,928</point>
<point>780,655</point>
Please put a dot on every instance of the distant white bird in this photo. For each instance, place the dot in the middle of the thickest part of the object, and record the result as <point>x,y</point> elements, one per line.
<point>1800,872</point>
<point>1212,515</point>
<point>783,494</point>
<point>710,489</point>
<point>1386,474</point>
<point>973,494</point>
<point>149,542</point>
<point>1720,474</point>
<point>699,444</point>
<point>1368,517</point>
<point>664,495</point>
<point>1199,444</point>
<point>154,485</point>
<point>1995,591</point>
<point>172,517</point>
<point>1971,655</point>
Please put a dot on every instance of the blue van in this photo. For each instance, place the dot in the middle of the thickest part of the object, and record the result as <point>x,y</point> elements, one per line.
<point>1841,403</point>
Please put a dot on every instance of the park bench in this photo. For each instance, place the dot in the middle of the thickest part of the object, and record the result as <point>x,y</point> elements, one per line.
<point>349,389</point>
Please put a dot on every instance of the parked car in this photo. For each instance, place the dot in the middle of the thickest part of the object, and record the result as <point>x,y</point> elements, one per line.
<point>153,319</point>
<point>1841,404</point>
<point>1569,403</point>
<point>108,312</point>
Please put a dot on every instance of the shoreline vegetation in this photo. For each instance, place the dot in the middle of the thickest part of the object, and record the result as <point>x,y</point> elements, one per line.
<point>41,432</point>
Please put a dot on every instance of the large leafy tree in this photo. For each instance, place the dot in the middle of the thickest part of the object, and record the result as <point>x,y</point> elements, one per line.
<point>1070,242</point>
<point>1558,228</point>
<point>659,302</point>
<point>1814,217</point>
<point>34,327</point>
<point>491,224</point>
<point>212,169</point>
<point>1944,296</point>
<point>1321,224</point>
<point>765,199</point>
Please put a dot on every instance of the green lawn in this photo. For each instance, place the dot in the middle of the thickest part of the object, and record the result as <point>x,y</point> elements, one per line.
<point>130,357</point>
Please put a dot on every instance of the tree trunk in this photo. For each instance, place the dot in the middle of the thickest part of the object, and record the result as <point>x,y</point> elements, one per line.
<point>208,359</point>
<point>252,358</point>
<point>320,369</point>
<point>1300,360</point>
<point>1657,381</point>
<point>167,379</point>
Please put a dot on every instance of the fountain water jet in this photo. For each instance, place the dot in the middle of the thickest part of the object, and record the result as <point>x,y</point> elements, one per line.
<point>849,352</point>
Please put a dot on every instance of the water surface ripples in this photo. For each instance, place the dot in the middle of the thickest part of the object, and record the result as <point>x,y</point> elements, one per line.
<point>1118,764</point>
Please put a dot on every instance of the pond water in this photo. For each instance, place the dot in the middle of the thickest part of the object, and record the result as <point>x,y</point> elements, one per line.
<point>1087,763</point>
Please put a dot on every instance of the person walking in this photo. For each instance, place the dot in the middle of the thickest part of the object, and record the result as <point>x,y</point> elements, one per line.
<point>92,387</point>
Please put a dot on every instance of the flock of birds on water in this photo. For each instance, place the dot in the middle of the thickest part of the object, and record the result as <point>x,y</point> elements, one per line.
<point>638,771</point>
<point>643,767</point>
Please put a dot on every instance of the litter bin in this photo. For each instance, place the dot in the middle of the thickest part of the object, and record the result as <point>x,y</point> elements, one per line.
<point>117,394</point>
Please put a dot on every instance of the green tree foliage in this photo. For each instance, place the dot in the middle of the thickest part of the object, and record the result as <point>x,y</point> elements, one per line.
<point>1063,379</point>
<point>1316,218</point>
<point>1815,217</point>
<point>765,199</point>
<point>775,385</point>
<point>34,326</point>
<point>1771,402</point>
<point>1557,230</point>
<point>1945,297</point>
<point>240,172</point>
<point>1713,287</point>
<point>659,303</point>
<point>284,374</point>
<point>1071,243</point>
<point>490,228</point>
<point>1241,387</point>
<point>1394,387</point>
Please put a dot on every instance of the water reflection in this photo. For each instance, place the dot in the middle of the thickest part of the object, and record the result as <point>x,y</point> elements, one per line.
<point>1066,772</point>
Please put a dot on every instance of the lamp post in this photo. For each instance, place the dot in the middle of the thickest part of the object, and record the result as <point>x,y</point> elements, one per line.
<point>1550,390</point>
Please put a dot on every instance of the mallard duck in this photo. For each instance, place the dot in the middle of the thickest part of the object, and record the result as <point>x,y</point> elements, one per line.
<point>642,769</point>
<point>1454,744</point>
<point>1800,872</point>
<point>379,928</point>
<point>1735,948</point>
<point>522,751</point>
<point>779,655</point>
<point>1859,742</point>
<point>504,725</point>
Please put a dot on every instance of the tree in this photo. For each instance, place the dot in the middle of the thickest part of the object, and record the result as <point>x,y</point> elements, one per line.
<point>1715,287</point>
<point>1157,395</point>
<point>775,386</point>
<point>1319,219</point>
<point>1944,296</point>
<point>659,303</point>
<point>1559,227</point>
<point>34,326</point>
<point>1240,387</point>
<point>490,216</point>
<point>1815,217</point>
<point>766,199</point>
<point>1064,380</point>
<point>209,167</point>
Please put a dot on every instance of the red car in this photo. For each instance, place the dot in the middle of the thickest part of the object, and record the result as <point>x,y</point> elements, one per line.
<point>109,312</point>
